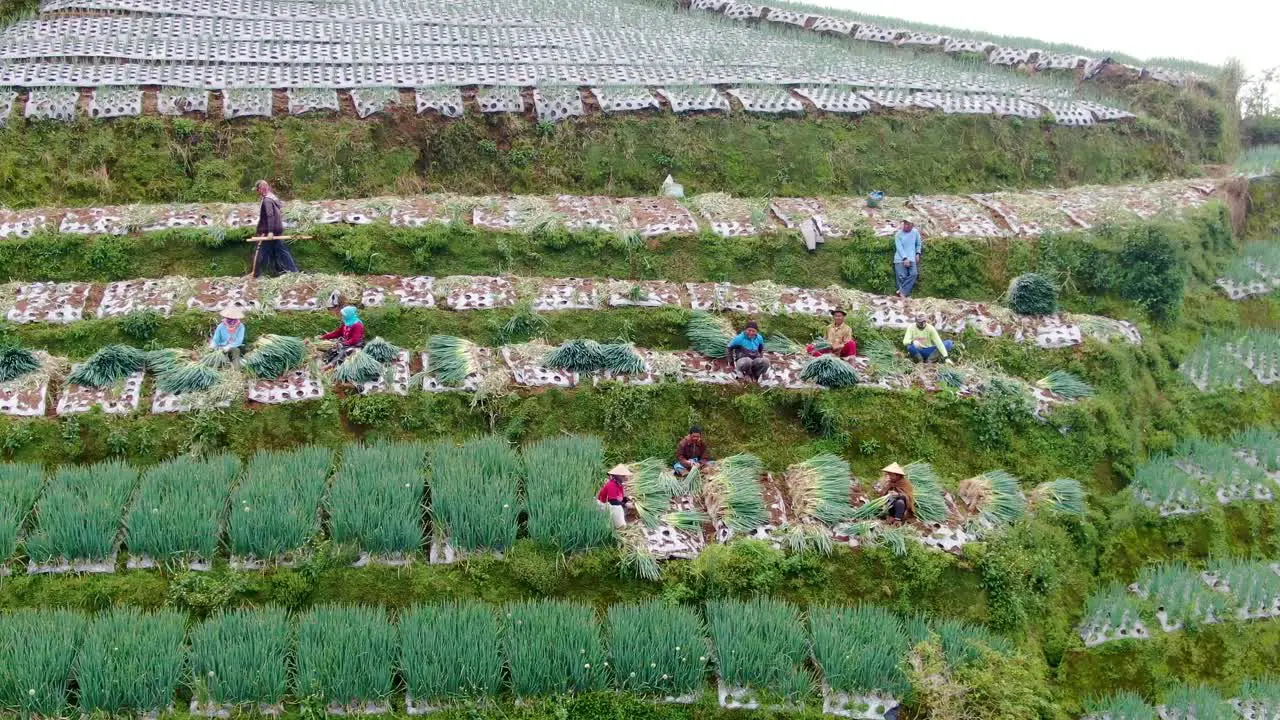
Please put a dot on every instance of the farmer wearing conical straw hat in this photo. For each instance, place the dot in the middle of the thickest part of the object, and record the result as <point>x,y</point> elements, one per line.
<point>612,496</point>
<point>229,335</point>
<point>895,485</point>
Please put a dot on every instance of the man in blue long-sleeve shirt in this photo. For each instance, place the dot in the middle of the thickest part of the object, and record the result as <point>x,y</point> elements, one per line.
<point>906,258</point>
<point>746,353</point>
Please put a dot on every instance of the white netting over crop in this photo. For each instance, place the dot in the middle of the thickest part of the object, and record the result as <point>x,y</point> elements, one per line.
<point>686,99</point>
<point>304,100</point>
<point>832,99</point>
<point>445,100</point>
<point>371,100</point>
<point>498,45</point>
<point>765,99</point>
<point>178,101</point>
<point>108,102</point>
<point>624,99</point>
<point>245,102</point>
<point>557,103</point>
<point>56,103</point>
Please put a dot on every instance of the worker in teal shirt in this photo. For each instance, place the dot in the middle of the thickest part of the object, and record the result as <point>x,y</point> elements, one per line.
<point>746,352</point>
<point>906,258</point>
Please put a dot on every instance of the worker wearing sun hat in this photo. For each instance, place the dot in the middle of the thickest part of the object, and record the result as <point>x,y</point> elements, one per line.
<point>895,485</point>
<point>612,496</point>
<point>839,338</point>
<point>229,335</point>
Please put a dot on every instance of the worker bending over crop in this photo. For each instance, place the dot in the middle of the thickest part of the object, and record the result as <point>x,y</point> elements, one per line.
<point>691,452</point>
<point>895,486</point>
<point>746,353</point>
<point>839,338</point>
<point>612,497</point>
<point>923,343</point>
<point>229,335</point>
<point>274,257</point>
<point>906,258</point>
<point>350,336</point>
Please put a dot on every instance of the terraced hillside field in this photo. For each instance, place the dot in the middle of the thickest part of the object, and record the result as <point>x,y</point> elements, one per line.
<point>1091,527</point>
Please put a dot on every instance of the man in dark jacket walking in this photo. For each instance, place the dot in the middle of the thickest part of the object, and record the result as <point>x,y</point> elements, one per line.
<point>273,256</point>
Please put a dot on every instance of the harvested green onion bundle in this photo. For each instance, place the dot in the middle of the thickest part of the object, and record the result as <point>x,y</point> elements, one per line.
<point>927,500</point>
<point>781,344</point>
<point>732,492</point>
<point>110,364</point>
<point>275,355</point>
<point>452,359</point>
<point>829,371</point>
<point>996,496</point>
<point>1063,496</point>
<point>1061,382</point>
<point>216,359</point>
<point>358,368</point>
<point>650,488</point>
<point>818,488</point>
<point>576,356</point>
<point>708,334</point>
<point>186,378</point>
<point>381,350</point>
<point>622,358</point>
<point>165,359</point>
<point>15,362</point>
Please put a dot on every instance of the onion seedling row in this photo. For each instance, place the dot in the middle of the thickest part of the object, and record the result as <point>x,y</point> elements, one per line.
<point>346,654</point>
<point>240,657</point>
<point>275,509</point>
<point>562,475</point>
<point>450,651</point>
<point>131,661</point>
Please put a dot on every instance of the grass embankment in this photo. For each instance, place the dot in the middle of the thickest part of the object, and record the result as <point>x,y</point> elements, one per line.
<point>168,160</point>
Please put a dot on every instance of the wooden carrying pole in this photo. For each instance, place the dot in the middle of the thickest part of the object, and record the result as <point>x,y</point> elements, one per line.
<point>257,241</point>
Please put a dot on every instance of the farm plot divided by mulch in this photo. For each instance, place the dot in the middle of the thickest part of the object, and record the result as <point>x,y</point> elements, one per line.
<point>658,650</point>
<point>78,519</point>
<point>20,486</point>
<point>49,302</point>
<point>240,657</point>
<point>180,511</point>
<point>347,656</point>
<point>375,502</point>
<point>553,647</point>
<point>561,477</point>
<point>131,661</point>
<point>449,652</point>
<point>37,651</point>
<point>760,652</point>
<point>475,499</point>
<point>274,510</point>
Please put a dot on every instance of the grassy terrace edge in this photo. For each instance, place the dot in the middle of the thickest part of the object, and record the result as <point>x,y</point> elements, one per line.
<point>186,160</point>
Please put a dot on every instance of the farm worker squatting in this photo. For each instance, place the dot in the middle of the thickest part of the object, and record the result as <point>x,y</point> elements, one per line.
<point>746,352</point>
<point>274,258</point>
<point>839,338</point>
<point>922,342</point>
<point>691,452</point>
<point>350,336</point>
<point>906,258</point>
<point>229,335</point>
<point>613,497</point>
<point>895,485</point>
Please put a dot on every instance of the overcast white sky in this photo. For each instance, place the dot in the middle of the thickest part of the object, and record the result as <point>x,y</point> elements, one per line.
<point>1207,32</point>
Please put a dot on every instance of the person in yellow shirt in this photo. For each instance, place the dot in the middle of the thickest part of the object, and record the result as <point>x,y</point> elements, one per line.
<point>923,344</point>
<point>839,338</point>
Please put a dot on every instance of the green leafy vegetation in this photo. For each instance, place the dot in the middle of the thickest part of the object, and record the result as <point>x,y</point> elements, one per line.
<point>861,650</point>
<point>475,494</point>
<point>346,655</point>
<point>657,650</point>
<point>375,503</point>
<point>1032,294</point>
<point>273,509</point>
<point>450,651</point>
<point>561,478</point>
<point>80,512</point>
<point>37,648</point>
<point>274,355</point>
<point>552,647</point>
<point>180,509</point>
<point>240,657</point>
<point>20,485</point>
<point>131,661</point>
<point>760,644</point>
